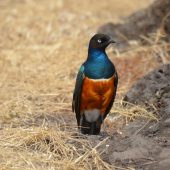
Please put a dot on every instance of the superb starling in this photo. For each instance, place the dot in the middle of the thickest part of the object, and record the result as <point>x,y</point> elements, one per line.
<point>96,86</point>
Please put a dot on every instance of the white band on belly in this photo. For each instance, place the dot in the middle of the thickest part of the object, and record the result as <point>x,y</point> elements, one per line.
<point>92,115</point>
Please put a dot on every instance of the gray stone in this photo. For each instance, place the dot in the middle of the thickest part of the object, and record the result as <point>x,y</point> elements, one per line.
<point>154,89</point>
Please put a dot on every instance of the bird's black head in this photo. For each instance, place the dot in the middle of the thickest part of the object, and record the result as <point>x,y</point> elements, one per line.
<point>100,41</point>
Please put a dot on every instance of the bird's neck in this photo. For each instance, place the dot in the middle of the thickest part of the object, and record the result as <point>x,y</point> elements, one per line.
<point>96,54</point>
<point>98,65</point>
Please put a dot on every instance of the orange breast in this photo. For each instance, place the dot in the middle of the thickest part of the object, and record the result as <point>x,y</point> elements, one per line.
<point>96,94</point>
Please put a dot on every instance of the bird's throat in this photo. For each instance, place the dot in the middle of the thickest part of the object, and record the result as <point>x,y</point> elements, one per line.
<point>95,54</point>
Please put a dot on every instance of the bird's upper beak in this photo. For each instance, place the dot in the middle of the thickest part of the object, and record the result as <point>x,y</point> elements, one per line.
<point>111,41</point>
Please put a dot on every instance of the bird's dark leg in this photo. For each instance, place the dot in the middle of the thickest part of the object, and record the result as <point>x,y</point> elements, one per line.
<point>96,126</point>
<point>92,128</point>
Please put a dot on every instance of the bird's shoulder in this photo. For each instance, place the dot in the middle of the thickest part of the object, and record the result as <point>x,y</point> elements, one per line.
<point>98,84</point>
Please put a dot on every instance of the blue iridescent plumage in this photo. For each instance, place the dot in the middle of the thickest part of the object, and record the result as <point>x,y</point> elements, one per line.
<point>90,98</point>
<point>98,65</point>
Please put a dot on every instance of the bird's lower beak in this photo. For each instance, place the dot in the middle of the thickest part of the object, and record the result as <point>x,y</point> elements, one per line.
<point>110,42</point>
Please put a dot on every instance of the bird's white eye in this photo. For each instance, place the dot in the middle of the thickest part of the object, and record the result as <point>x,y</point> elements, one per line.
<point>99,40</point>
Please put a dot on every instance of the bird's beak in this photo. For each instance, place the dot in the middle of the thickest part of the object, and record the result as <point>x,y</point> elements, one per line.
<point>111,41</point>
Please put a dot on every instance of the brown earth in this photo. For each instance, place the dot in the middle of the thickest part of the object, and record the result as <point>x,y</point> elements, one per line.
<point>42,45</point>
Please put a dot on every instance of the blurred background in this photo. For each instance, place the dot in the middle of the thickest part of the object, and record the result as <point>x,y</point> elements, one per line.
<point>42,45</point>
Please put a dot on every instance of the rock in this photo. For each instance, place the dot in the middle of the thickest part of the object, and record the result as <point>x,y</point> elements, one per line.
<point>154,88</point>
<point>141,23</point>
<point>147,144</point>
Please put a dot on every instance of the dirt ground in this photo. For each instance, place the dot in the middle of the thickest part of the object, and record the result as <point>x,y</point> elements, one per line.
<point>42,45</point>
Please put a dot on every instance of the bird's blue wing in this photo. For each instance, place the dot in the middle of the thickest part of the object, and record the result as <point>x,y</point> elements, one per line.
<point>77,93</point>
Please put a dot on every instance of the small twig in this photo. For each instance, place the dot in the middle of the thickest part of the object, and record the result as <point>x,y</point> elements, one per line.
<point>141,128</point>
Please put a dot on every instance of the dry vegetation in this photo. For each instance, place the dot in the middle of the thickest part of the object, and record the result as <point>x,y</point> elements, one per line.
<point>42,44</point>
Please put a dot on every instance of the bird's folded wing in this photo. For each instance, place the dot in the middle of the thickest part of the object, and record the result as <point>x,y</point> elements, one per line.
<point>77,92</point>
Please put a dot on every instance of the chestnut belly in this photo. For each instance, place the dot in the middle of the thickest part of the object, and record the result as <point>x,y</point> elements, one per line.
<point>96,96</point>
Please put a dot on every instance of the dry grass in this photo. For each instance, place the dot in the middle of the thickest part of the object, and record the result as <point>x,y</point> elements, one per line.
<point>132,112</point>
<point>44,148</point>
<point>42,44</point>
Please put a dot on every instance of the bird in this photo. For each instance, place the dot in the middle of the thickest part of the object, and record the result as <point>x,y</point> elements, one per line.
<point>95,87</point>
